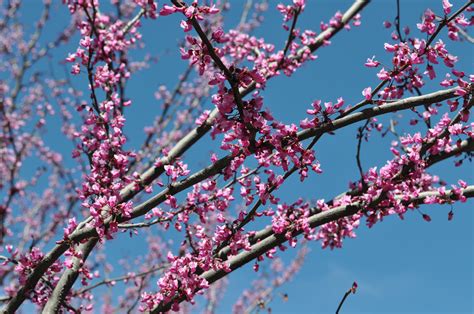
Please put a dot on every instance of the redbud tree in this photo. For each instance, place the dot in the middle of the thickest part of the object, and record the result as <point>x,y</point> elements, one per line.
<point>200,186</point>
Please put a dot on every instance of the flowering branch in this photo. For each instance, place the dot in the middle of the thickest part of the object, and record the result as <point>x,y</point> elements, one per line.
<point>268,239</point>
<point>314,221</point>
<point>258,152</point>
<point>388,79</point>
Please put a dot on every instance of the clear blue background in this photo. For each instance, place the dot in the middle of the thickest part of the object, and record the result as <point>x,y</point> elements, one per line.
<point>408,266</point>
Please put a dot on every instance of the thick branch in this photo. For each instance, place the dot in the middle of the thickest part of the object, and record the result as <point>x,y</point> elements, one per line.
<point>368,113</point>
<point>314,221</point>
<point>154,172</point>
<point>219,165</point>
<point>68,278</point>
<point>303,135</point>
<point>332,215</point>
<point>464,146</point>
<point>196,134</point>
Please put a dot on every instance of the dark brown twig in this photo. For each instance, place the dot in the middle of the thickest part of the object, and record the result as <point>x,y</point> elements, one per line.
<point>351,290</point>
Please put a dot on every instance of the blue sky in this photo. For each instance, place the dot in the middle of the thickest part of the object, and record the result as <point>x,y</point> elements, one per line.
<point>408,266</point>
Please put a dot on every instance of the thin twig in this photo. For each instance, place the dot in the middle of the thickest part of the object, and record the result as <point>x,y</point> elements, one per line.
<point>360,137</point>
<point>351,290</point>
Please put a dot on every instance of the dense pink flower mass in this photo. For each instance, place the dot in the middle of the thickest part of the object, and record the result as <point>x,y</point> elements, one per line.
<point>203,219</point>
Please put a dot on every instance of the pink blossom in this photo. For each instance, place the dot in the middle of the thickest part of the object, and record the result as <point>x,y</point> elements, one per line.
<point>299,3</point>
<point>354,287</point>
<point>426,217</point>
<point>460,91</point>
<point>428,26</point>
<point>71,57</point>
<point>219,36</point>
<point>167,10</point>
<point>357,20</point>
<point>455,129</point>
<point>367,93</point>
<point>76,69</point>
<point>389,47</point>
<point>447,81</point>
<point>462,20</point>
<point>447,6</point>
<point>186,25</point>
<point>383,75</point>
<point>430,71</point>
<point>371,63</point>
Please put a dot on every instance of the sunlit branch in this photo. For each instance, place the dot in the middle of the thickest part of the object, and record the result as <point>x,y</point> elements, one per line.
<point>314,221</point>
<point>68,278</point>
<point>265,244</point>
<point>463,147</point>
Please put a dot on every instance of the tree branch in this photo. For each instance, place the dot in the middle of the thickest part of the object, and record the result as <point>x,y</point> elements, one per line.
<point>68,278</point>
<point>314,221</point>
<point>348,292</point>
<point>154,172</point>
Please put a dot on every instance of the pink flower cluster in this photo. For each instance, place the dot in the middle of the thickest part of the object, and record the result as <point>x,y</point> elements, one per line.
<point>192,11</point>
<point>320,115</point>
<point>149,6</point>
<point>182,279</point>
<point>289,11</point>
<point>408,57</point>
<point>291,218</point>
<point>25,263</point>
<point>102,141</point>
<point>394,188</point>
<point>271,142</point>
<point>101,137</point>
